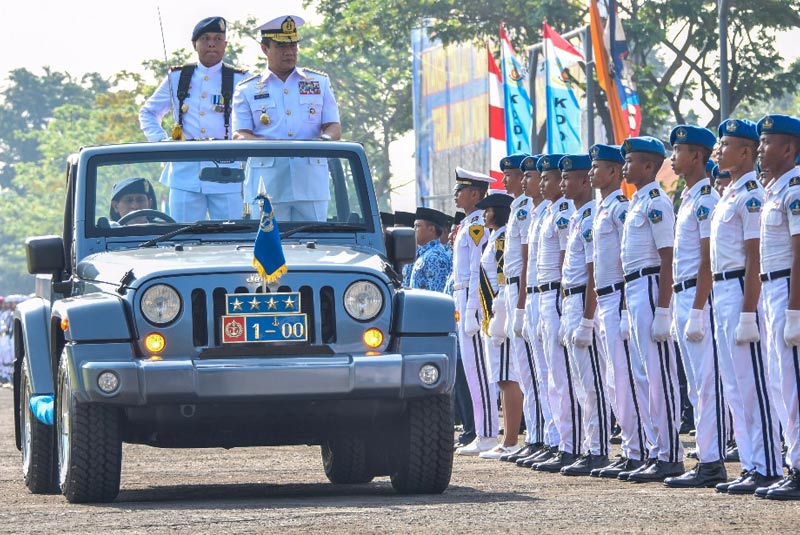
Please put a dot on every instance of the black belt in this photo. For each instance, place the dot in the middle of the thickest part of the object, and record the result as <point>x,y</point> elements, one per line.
<point>772,275</point>
<point>678,287</point>
<point>633,275</point>
<point>555,285</point>
<point>605,290</point>
<point>513,280</point>
<point>529,290</point>
<point>574,290</point>
<point>727,275</point>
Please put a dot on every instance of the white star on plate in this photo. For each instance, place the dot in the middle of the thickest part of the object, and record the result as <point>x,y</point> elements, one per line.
<point>272,304</point>
<point>237,305</point>
<point>255,303</point>
<point>289,303</point>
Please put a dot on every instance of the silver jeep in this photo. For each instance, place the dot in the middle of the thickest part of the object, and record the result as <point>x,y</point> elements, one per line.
<point>153,331</point>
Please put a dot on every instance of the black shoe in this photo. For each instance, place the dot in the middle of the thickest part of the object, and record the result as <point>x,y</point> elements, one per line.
<point>753,481</point>
<point>521,453</point>
<point>585,465</point>
<point>732,454</point>
<point>692,454</point>
<point>686,427</point>
<point>538,457</point>
<point>636,466</point>
<point>615,439</point>
<point>658,472</point>
<point>789,489</point>
<point>761,492</point>
<point>556,463</point>
<point>616,462</point>
<point>723,487</point>
<point>704,475</point>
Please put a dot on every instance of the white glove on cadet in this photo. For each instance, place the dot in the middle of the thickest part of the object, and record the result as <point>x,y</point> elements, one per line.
<point>519,320</point>
<point>497,325</point>
<point>747,330</point>
<point>695,330</point>
<point>583,334</point>
<point>624,325</point>
<point>662,321</point>
<point>471,326</point>
<point>791,331</point>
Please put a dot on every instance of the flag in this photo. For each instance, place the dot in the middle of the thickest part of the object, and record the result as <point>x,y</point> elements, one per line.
<point>563,110</point>
<point>623,71</point>
<point>605,77</point>
<point>519,113</point>
<point>268,256</point>
<point>497,122</point>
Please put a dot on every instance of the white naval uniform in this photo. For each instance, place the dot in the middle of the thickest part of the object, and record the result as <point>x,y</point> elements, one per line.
<point>191,198</point>
<point>736,219</point>
<point>498,358</point>
<point>626,380</point>
<point>780,221</point>
<point>294,109</point>
<point>587,364</point>
<point>564,405</point>
<point>467,248</point>
<point>544,386</point>
<point>649,226</point>
<point>521,352</point>
<point>700,359</point>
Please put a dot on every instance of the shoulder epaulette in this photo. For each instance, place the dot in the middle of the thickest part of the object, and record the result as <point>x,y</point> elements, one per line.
<point>654,193</point>
<point>524,202</point>
<point>751,185</point>
<point>586,213</point>
<point>315,71</point>
<point>705,190</point>
<point>622,198</point>
<point>563,206</point>
<point>795,181</point>
<point>248,79</point>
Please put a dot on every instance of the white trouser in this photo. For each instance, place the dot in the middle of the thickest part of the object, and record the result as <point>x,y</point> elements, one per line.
<point>701,364</point>
<point>190,206</point>
<point>550,436</point>
<point>565,406</point>
<point>588,367</point>
<point>482,390</point>
<point>627,381</point>
<point>301,211</point>
<point>525,368</point>
<point>784,364</point>
<point>661,367</point>
<point>499,361</point>
<point>744,376</point>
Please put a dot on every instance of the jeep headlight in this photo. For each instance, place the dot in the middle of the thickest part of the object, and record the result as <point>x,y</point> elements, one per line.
<point>363,300</point>
<point>160,304</point>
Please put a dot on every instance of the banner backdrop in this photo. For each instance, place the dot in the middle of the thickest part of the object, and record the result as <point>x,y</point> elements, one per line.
<point>563,109</point>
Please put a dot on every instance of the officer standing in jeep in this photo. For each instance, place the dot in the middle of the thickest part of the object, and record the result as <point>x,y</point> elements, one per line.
<point>199,96</point>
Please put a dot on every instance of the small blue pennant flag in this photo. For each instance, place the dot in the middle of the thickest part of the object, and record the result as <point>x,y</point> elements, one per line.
<point>268,256</point>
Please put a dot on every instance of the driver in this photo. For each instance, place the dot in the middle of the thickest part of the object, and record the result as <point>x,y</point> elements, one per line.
<point>130,195</point>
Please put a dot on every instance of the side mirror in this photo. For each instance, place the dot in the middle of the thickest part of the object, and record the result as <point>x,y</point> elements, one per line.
<point>401,246</point>
<point>45,255</point>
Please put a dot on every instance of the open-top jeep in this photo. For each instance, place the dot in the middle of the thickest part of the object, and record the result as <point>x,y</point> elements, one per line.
<point>151,331</point>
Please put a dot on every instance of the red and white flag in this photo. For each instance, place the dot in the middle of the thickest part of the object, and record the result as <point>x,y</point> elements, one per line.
<point>497,122</point>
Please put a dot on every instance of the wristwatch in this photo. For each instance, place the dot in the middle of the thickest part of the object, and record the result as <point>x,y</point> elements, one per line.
<point>325,137</point>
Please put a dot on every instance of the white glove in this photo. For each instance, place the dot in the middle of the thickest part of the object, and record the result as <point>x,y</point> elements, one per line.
<point>471,326</point>
<point>499,303</point>
<point>539,332</point>
<point>695,330</point>
<point>562,332</point>
<point>624,325</point>
<point>583,334</point>
<point>519,320</point>
<point>660,328</point>
<point>497,326</point>
<point>747,330</point>
<point>791,331</point>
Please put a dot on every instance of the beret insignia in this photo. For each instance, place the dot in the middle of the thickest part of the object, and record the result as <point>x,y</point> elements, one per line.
<point>567,164</point>
<point>655,216</point>
<point>681,133</point>
<point>594,152</point>
<point>654,193</point>
<point>627,145</point>
<point>702,213</point>
<point>731,126</point>
<point>767,124</point>
<point>545,162</point>
<point>751,185</point>
<point>753,205</point>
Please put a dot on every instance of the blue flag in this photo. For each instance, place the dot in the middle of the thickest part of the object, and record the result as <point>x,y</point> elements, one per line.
<point>563,110</point>
<point>518,110</point>
<point>268,256</point>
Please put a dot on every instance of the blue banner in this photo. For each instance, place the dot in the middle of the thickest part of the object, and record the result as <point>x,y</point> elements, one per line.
<point>268,256</point>
<point>518,109</point>
<point>563,109</point>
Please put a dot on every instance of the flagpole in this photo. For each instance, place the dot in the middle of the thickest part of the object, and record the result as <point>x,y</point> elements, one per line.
<point>587,38</point>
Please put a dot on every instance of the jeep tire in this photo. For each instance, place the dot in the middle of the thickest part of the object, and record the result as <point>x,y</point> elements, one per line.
<point>345,460</point>
<point>89,445</point>
<point>425,447</point>
<point>38,440</point>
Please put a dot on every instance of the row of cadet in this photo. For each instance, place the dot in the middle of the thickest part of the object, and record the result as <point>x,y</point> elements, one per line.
<point>575,305</point>
<point>7,305</point>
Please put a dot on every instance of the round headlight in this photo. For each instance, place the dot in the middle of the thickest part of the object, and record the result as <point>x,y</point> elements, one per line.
<point>160,304</point>
<point>363,300</point>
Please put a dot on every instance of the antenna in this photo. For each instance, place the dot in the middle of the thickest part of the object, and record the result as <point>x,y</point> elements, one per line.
<point>177,129</point>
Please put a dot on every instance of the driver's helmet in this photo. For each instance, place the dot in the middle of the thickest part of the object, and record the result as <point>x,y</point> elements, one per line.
<point>128,186</point>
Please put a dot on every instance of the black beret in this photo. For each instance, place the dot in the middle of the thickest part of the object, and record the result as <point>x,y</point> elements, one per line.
<point>130,186</point>
<point>404,219</point>
<point>458,218</point>
<point>209,25</point>
<point>433,216</point>
<point>495,200</point>
<point>387,219</point>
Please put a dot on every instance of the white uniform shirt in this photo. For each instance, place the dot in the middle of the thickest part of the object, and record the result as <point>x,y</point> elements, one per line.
<point>607,230</point>
<point>467,249</point>
<point>692,224</point>
<point>780,221</point>
<point>489,257</point>
<point>516,235</point>
<point>580,246</point>
<point>536,218</point>
<point>736,218</point>
<point>649,226</point>
<point>553,240</point>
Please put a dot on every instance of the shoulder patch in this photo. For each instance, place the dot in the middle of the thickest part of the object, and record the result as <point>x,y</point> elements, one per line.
<point>794,207</point>
<point>622,198</point>
<point>753,205</point>
<point>562,222</point>
<point>586,213</point>
<point>249,78</point>
<point>655,216</point>
<point>654,193</point>
<point>522,214</point>
<point>587,234</point>
<point>795,181</point>
<point>751,185</point>
<point>705,190</point>
<point>563,206</point>
<point>315,71</point>
<point>702,213</point>
<point>476,232</point>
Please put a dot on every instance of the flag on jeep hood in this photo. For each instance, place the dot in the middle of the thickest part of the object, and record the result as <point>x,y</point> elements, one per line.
<point>268,256</point>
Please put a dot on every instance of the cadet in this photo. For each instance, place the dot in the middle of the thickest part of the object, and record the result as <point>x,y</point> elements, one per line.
<point>199,96</point>
<point>626,380</point>
<point>780,276</point>
<point>433,263</point>
<point>587,364</point>
<point>735,233</point>
<point>468,245</point>
<point>287,102</point>
<point>691,270</point>
<point>646,252</point>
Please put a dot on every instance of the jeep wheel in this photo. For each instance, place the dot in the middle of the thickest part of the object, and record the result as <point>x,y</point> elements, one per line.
<point>425,447</point>
<point>345,460</point>
<point>89,445</point>
<point>38,460</point>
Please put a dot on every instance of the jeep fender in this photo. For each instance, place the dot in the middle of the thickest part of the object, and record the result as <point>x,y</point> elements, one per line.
<point>422,312</point>
<point>93,317</point>
<point>32,341</point>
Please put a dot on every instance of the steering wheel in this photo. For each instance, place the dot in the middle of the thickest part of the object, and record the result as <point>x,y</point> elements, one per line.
<point>149,213</point>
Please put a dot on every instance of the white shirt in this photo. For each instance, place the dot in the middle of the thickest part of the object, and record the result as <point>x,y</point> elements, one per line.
<point>649,226</point>
<point>736,218</point>
<point>692,224</point>
<point>517,235</point>
<point>780,221</point>
<point>607,230</point>
<point>553,240</point>
<point>536,218</point>
<point>580,249</point>
<point>467,249</point>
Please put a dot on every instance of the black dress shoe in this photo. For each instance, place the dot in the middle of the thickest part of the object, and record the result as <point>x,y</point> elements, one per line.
<point>789,489</point>
<point>556,463</point>
<point>523,452</point>
<point>704,475</point>
<point>723,487</point>
<point>585,464</point>
<point>657,472</point>
<point>540,456</point>
<point>732,454</point>
<point>636,466</point>
<point>616,462</point>
<point>753,481</point>
<point>761,492</point>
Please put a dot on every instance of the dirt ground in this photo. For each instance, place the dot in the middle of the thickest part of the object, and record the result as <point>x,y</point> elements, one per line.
<point>284,490</point>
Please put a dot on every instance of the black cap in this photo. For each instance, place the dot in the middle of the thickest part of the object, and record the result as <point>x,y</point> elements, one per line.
<point>458,218</point>
<point>387,219</point>
<point>130,186</point>
<point>495,200</point>
<point>209,25</point>
<point>433,216</point>
<point>404,219</point>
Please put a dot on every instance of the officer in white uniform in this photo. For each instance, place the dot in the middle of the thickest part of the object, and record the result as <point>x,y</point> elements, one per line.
<point>202,113</point>
<point>691,270</point>
<point>287,102</point>
<point>647,241</point>
<point>780,255</point>
<point>735,239</point>
<point>587,364</point>
<point>626,381</point>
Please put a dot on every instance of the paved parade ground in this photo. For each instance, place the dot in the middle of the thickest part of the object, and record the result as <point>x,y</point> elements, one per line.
<point>280,490</point>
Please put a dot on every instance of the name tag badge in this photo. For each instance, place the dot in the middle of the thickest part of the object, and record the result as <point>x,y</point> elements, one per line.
<point>309,87</point>
<point>259,96</point>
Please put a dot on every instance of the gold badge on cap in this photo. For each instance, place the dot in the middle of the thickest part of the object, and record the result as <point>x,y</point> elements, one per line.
<point>546,162</point>
<point>506,162</point>
<point>627,145</point>
<point>594,152</point>
<point>681,133</point>
<point>288,25</point>
<point>767,123</point>
<point>222,24</point>
<point>567,164</point>
<point>731,126</point>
